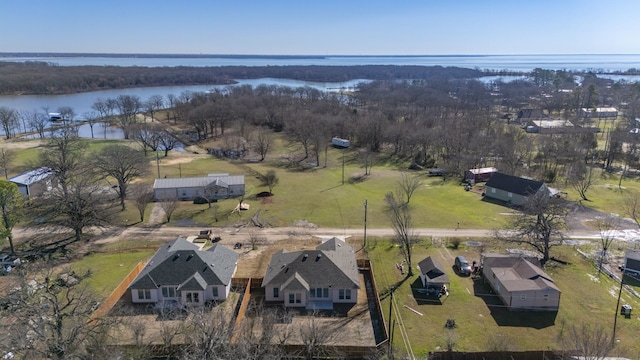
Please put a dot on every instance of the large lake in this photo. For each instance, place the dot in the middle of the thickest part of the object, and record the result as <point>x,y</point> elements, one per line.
<point>613,62</point>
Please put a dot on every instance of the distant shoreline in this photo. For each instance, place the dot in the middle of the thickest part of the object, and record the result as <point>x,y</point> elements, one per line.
<point>267,56</point>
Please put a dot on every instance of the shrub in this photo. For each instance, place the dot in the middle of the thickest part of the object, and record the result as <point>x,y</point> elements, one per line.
<point>455,242</point>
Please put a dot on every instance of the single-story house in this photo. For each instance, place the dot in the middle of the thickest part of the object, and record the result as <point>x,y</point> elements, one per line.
<point>314,279</point>
<point>432,274</point>
<point>520,282</point>
<point>599,112</point>
<point>213,186</point>
<point>513,189</point>
<point>479,175</point>
<point>180,273</point>
<point>34,182</point>
<point>632,261</point>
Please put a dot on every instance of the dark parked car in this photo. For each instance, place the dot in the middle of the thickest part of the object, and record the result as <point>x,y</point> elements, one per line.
<point>462,265</point>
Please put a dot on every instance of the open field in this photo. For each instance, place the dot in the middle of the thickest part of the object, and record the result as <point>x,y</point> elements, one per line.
<point>482,323</point>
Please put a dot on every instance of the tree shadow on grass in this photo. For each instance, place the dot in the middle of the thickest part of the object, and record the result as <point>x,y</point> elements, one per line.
<point>504,317</point>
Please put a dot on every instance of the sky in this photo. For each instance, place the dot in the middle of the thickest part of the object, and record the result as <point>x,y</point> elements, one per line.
<point>325,27</point>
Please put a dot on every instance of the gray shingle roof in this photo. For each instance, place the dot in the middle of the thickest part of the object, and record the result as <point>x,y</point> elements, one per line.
<point>432,270</point>
<point>180,263</point>
<point>333,263</point>
<point>514,184</point>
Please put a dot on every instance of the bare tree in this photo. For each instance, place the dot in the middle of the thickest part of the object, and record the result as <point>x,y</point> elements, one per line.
<point>67,113</point>
<point>153,104</point>
<point>409,184</point>
<point>607,227</point>
<point>632,207</point>
<point>270,180</point>
<point>6,161</point>
<point>169,206</point>
<point>142,196</point>
<point>581,178</point>
<point>51,316</point>
<point>37,121</point>
<point>317,336</point>
<point>82,203</point>
<point>62,154</point>
<point>11,206</point>
<point>8,121</point>
<point>167,141</point>
<point>400,217</point>
<point>539,225</point>
<point>128,108</point>
<point>123,164</point>
<point>208,335</point>
<point>590,342</point>
<point>91,118</point>
<point>262,143</point>
<point>147,135</point>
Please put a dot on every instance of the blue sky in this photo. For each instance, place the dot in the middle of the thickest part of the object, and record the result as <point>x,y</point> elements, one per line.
<point>303,27</point>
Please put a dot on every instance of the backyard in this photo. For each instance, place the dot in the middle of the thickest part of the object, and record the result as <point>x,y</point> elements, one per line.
<point>482,322</point>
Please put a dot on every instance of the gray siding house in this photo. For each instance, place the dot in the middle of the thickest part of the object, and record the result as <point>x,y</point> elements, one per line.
<point>632,262</point>
<point>313,279</point>
<point>181,273</point>
<point>214,186</point>
<point>520,282</point>
<point>432,273</point>
<point>513,189</point>
<point>34,182</point>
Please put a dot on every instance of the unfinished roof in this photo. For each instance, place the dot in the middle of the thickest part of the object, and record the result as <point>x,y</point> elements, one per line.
<point>519,274</point>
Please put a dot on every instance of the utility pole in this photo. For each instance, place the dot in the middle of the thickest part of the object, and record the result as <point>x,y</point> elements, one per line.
<point>365,223</point>
<point>158,164</point>
<point>4,164</point>
<point>390,348</point>
<point>343,167</point>
<point>615,319</point>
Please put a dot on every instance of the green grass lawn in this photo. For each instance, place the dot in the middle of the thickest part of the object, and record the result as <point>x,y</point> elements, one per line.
<point>108,269</point>
<point>585,298</point>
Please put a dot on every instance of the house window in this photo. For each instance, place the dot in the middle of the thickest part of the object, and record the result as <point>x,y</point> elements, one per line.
<point>545,297</point>
<point>325,292</point>
<point>276,292</point>
<point>347,294</point>
<point>523,296</point>
<point>295,298</point>
<point>312,292</point>
<point>341,294</point>
<point>144,294</point>
<point>193,297</point>
<point>215,291</point>
<point>169,292</point>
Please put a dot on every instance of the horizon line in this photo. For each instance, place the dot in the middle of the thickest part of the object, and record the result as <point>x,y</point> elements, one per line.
<point>202,55</point>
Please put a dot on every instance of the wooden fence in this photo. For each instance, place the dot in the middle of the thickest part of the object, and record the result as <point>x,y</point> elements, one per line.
<point>117,293</point>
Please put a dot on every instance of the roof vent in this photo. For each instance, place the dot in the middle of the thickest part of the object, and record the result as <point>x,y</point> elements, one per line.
<point>189,257</point>
<point>318,257</point>
<point>304,257</point>
<point>176,256</point>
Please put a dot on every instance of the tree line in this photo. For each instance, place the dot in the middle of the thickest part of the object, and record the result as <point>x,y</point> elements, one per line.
<point>48,78</point>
